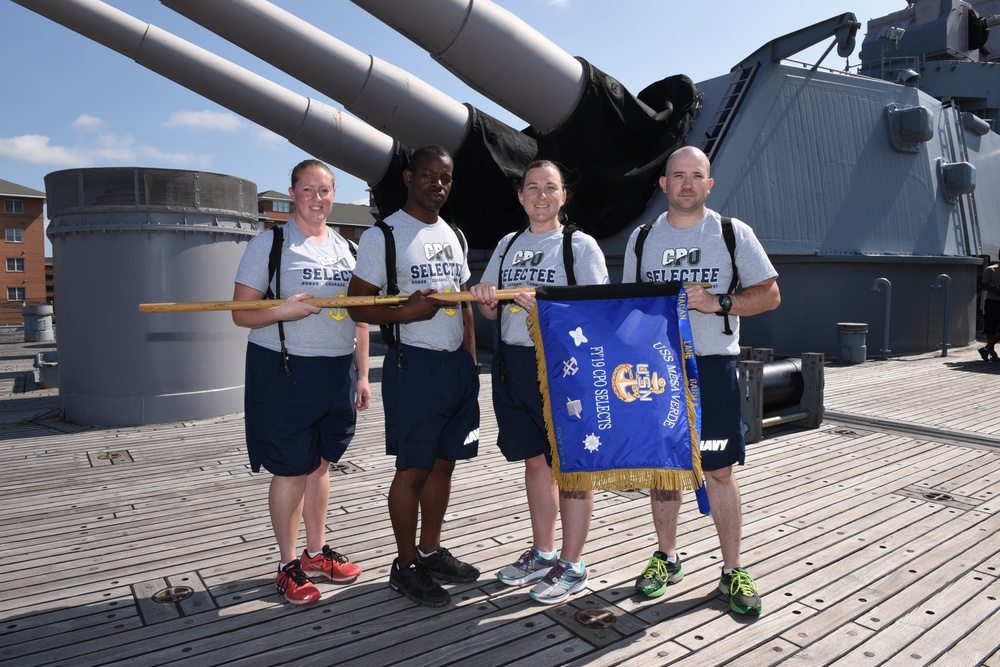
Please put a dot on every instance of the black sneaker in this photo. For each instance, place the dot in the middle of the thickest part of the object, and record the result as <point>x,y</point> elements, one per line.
<point>415,583</point>
<point>442,565</point>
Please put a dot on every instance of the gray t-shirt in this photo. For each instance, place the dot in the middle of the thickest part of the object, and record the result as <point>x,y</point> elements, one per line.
<point>321,269</point>
<point>427,257</point>
<point>536,260</point>
<point>698,254</point>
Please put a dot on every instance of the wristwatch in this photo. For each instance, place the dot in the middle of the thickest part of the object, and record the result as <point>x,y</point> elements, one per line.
<point>726,302</point>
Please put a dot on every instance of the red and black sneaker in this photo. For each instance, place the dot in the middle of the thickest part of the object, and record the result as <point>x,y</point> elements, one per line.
<point>330,564</point>
<point>294,584</point>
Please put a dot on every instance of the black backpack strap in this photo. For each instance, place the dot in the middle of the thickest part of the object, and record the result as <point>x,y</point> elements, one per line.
<point>640,241</point>
<point>274,273</point>
<point>568,253</point>
<point>461,240</point>
<point>274,259</point>
<point>390,332</point>
<point>392,287</point>
<point>498,347</point>
<point>730,238</point>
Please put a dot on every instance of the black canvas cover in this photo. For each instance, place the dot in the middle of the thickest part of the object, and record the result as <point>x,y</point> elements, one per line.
<point>617,145</point>
<point>614,146</point>
<point>483,200</point>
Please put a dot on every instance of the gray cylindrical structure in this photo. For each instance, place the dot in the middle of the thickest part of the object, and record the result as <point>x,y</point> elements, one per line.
<point>37,323</point>
<point>125,236</point>
<point>852,337</point>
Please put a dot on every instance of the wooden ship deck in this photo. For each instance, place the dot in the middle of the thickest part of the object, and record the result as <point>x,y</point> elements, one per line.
<point>875,540</point>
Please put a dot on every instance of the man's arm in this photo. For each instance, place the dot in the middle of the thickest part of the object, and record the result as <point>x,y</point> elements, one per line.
<point>756,299</point>
<point>753,300</point>
<point>419,306</point>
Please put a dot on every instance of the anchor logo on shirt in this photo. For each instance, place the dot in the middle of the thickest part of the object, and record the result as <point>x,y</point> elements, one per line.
<point>338,314</point>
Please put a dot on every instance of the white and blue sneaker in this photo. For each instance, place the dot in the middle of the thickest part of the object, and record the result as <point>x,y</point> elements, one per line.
<point>560,582</point>
<point>529,567</point>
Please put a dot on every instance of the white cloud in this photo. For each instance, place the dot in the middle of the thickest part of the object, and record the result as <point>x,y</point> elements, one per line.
<point>87,122</point>
<point>35,149</point>
<point>559,3</point>
<point>206,120</point>
<point>108,148</point>
<point>265,138</point>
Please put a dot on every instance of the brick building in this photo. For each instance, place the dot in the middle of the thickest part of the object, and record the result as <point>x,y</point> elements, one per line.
<point>23,220</point>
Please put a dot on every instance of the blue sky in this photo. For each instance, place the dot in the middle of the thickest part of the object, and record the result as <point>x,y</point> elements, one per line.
<point>70,102</point>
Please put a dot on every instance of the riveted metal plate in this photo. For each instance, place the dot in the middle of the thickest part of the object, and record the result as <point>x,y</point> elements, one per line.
<point>343,468</point>
<point>109,458</point>
<point>172,594</point>
<point>596,621</point>
<point>595,618</point>
<point>940,497</point>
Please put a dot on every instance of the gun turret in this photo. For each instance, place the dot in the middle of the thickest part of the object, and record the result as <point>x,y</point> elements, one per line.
<point>616,143</point>
<point>613,143</point>
<point>488,153</point>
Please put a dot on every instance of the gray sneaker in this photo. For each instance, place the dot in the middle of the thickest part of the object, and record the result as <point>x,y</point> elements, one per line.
<point>559,584</point>
<point>529,567</point>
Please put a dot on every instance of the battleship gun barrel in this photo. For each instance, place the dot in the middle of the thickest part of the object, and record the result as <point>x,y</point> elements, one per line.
<point>616,142</point>
<point>468,38</point>
<point>383,95</point>
<point>316,128</point>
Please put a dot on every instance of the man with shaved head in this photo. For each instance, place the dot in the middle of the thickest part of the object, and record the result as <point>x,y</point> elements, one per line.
<point>689,243</point>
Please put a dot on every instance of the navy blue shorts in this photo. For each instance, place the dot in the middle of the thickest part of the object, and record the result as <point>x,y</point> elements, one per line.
<point>431,406</point>
<point>991,316</point>
<point>293,420</point>
<point>518,406</point>
<point>722,442</point>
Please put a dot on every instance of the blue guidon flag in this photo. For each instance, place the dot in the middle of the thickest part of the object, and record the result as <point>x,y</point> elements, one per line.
<point>619,386</point>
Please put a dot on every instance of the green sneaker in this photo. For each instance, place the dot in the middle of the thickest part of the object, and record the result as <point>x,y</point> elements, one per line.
<point>742,592</point>
<point>658,574</point>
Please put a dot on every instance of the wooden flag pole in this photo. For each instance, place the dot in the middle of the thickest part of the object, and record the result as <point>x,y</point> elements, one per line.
<point>330,302</point>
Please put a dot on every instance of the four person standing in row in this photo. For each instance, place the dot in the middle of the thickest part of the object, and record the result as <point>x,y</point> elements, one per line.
<point>430,375</point>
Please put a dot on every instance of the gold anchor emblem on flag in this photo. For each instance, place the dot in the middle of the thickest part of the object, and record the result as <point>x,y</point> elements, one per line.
<point>637,386</point>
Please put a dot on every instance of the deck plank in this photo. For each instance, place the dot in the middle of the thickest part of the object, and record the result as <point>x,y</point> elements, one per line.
<point>856,531</point>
